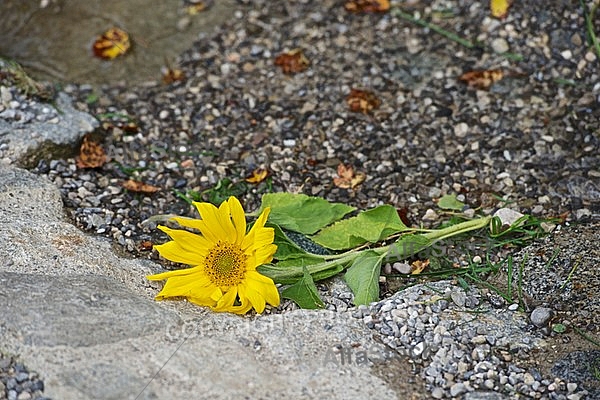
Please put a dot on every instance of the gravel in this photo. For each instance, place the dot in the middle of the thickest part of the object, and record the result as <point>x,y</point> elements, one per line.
<point>17,382</point>
<point>466,349</point>
<point>531,139</point>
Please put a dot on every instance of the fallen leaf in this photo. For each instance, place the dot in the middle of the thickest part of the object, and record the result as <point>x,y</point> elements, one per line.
<point>139,187</point>
<point>188,164</point>
<point>499,8</point>
<point>418,266</point>
<point>367,6</point>
<point>403,214</point>
<point>482,79</point>
<point>145,245</point>
<point>171,75</point>
<point>362,101</point>
<point>292,61</point>
<point>348,179</point>
<point>198,6</point>
<point>112,43</point>
<point>91,154</point>
<point>257,176</point>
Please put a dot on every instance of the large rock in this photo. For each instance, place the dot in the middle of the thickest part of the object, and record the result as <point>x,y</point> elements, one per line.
<point>27,139</point>
<point>86,320</point>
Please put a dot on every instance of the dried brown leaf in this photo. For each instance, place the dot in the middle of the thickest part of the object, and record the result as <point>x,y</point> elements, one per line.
<point>418,266</point>
<point>91,154</point>
<point>139,187</point>
<point>112,43</point>
<point>367,6</point>
<point>292,62</point>
<point>482,79</point>
<point>362,101</point>
<point>257,176</point>
<point>348,179</point>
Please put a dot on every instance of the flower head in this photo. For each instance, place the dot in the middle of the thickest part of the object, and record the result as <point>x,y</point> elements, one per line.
<point>223,257</point>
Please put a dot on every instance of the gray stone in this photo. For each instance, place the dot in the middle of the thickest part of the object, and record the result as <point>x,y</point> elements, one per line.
<point>481,395</point>
<point>30,142</point>
<point>76,310</point>
<point>458,297</point>
<point>540,316</point>
<point>457,388</point>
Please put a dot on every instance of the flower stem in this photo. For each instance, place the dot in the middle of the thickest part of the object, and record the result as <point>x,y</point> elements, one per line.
<point>407,245</point>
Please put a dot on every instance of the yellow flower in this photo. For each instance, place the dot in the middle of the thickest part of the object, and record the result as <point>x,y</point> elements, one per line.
<point>224,259</point>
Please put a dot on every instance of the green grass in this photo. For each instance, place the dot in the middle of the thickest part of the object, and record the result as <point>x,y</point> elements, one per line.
<point>114,116</point>
<point>593,341</point>
<point>589,25</point>
<point>487,246</point>
<point>13,73</point>
<point>571,272</point>
<point>551,260</point>
<point>223,189</point>
<point>450,35</point>
<point>447,34</point>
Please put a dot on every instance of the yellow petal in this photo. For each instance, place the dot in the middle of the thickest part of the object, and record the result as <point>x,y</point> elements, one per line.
<point>187,222</point>
<point>202,301</point>
<point>226,301</point>
<point>243,308</point>
<point>216,222</point>
<point>188,242</point>
<point>194,284</point>
<point>168,274</point>
<point>262,237</point>
<point>264,286</point>
<point>173,251</point>
<point>265,254</point>
<point>253,296</point>
<point>239,219</point>
<point>259,225</point>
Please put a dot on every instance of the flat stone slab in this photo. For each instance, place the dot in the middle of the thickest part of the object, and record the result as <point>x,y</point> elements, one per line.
<point>75,311</point>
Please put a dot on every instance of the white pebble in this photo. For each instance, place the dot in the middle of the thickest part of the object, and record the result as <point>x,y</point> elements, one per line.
<point>461,130</point>
<point>457,388</point>
<point>430,215</point>
<point>500,45</point>
<point>437,393</point>
<point>566,54</point>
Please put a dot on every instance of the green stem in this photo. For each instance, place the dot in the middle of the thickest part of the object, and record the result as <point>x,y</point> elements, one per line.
<point>457,229</point>
<point>450,35</point>
<point>404,247</point>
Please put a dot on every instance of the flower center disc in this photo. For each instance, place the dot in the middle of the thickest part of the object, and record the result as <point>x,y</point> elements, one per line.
<point>225,264</point>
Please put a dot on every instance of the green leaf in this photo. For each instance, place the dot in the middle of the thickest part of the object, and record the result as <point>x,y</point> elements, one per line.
<point>449,202</point>
<point>304,292</point>
<point>368,226</point>
<point>285,247</point>
<point>363,277</point>
<point>301,213</point>
<point>407,246</point>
